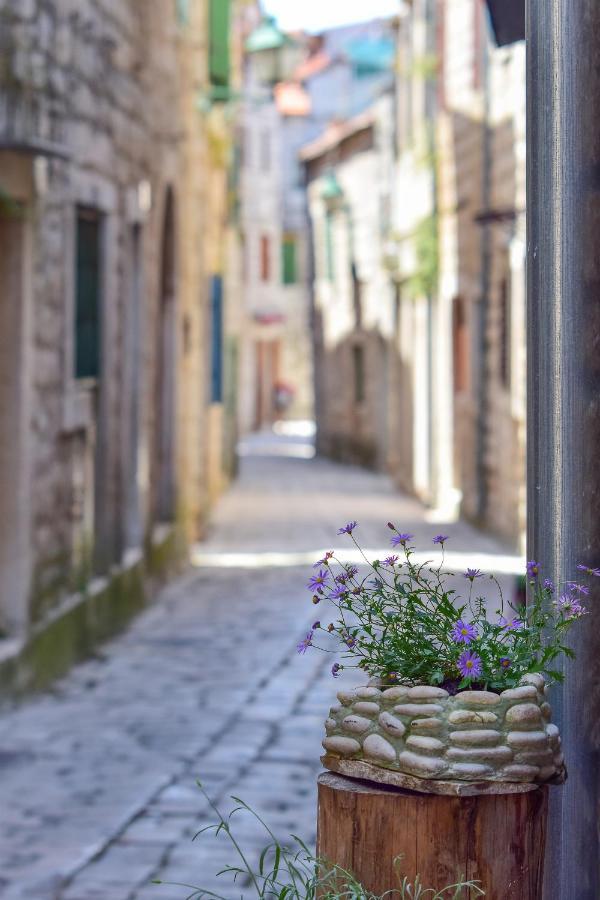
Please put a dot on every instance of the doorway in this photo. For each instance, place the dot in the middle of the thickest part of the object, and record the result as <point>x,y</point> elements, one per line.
<point>164,443</point>
<point>14,409</point>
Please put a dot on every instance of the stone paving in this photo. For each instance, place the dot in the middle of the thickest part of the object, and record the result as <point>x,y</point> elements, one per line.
<point>97,777</point>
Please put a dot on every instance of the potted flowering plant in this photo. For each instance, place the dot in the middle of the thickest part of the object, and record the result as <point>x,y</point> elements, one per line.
<point>454,693</point>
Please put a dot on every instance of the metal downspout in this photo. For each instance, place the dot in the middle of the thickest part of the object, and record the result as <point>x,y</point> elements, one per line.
<point>563,424</point>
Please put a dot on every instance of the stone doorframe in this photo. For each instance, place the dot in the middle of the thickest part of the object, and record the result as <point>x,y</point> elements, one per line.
<point>17,184</point>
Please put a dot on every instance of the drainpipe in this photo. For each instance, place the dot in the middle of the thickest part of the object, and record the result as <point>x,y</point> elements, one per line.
<point>563,430</point>
<point>433,436</point>
<point>484,301</point>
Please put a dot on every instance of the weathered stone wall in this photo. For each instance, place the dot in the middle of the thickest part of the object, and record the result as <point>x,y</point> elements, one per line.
<point>117,129</point>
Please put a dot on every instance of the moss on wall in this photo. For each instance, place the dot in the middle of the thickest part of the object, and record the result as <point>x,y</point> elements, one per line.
<point>102,610</point>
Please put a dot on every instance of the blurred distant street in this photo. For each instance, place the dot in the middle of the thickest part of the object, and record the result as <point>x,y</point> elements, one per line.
<point>98,791</point>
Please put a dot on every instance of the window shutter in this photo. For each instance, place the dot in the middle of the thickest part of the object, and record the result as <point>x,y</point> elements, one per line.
<point>217,339</point>
<point>289,259</point>
<point>219,42</point>
<point>87,296</point>
<point>265,258</point>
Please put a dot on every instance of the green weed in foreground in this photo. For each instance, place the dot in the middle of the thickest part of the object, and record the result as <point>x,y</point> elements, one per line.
<point>293,873</point>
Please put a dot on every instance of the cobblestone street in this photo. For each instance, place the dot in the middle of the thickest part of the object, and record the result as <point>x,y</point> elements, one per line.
<point>97,777</point>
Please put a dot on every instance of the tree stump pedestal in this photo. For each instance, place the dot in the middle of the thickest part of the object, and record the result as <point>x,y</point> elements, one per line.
<point>493,837</point>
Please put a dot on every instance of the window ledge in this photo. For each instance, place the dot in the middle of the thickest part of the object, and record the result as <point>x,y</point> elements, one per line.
<point>78,407</point>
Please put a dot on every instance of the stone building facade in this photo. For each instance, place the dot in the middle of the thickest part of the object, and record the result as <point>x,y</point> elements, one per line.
<point>353,294</point>
<point>276,363</point>
<point>294,85</point>
<point>108,339</point>
<point>458,260</point>
<point>481,201</point>
<point>444,388</point>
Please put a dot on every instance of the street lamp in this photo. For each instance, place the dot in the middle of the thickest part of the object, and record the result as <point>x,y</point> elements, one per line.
<point>267,46</point>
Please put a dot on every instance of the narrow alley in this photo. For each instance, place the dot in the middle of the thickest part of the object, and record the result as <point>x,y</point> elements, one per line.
<point>98,793</point>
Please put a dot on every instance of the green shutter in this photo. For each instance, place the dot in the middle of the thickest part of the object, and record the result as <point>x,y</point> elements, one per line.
<point>219,42</point>
<point>288,252</point>
<point>87,296</point>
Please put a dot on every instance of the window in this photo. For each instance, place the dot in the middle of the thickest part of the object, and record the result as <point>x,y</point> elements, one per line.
<point>460,346</point>
<point>396,310</point>
<point>87,294</point>
<point>357,292</point>
<point>479,49</point>
<point>219,42</point>
<point>265,151</point>
<point>504,336</point>
<point>265,258</point>
<point>329,260</point>
<point>358,360</point>
<point>288,259</point>
<point>216,301</point>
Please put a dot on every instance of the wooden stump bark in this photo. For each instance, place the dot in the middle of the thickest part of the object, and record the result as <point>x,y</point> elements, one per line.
<point>496,839</point>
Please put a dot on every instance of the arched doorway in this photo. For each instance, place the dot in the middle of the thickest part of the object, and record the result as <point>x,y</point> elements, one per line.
<point>165,398</point>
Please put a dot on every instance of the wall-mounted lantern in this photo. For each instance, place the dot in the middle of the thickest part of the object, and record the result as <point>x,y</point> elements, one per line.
<point>508,20</point>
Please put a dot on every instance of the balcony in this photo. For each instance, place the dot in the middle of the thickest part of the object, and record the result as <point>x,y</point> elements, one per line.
<point>31,122</point>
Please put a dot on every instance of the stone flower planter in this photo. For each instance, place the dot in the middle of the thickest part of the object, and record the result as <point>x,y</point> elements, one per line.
<point>424,732</point>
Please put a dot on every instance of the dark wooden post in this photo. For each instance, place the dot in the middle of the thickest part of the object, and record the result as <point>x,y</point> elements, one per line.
<point>563,427</point>
<point>497,839</point>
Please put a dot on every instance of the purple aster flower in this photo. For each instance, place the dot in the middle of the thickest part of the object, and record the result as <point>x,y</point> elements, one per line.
<point>316,625</point>
<point>570,607</point>
<point>351,571</point>
<point>440,538</point>
<point>341,579</point>
<point>549,585</point>
<point>338,592</point>
<point>335,670</point>
<point>401,539</point>
<point>471,574</point>
<point>578,588</point>
<point>463,632</point>
<point>390,561</point>
<point>513,624</point>
<point>348,529</point>
<point>589,570</point>
<point>533,569</point>
<point>318,581</point>
<point>350,641</point>
<point>305,644</point>
<point>324,561</point>
<point>469,664</point>
<point>505,662</point>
